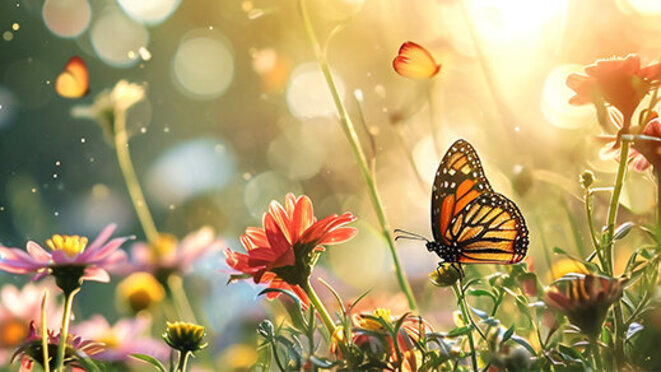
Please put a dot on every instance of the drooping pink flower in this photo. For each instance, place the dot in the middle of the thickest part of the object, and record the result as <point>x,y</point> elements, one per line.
<point>169,256</point>
<point>281,253</point>
<point>66,252</point>
<point>18,307</point>
<point>31,350</point>
<point>127,336</point>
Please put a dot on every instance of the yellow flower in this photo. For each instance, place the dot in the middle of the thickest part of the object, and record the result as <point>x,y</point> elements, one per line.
<point>140,291</point>
<point>565,266</point>
<point>371,324</point>
<point>444,276</point>
<point>185,337</point>
<point>70,245</point>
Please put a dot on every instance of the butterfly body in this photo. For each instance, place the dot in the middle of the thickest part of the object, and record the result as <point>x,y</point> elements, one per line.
<point>472,223</point>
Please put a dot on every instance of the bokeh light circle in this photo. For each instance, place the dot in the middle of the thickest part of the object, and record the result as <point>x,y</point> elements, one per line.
<point>265,187</point>
<point>28,80</point>
<point>117,39</point>
<point>555,101</point>
<point>67,18</point>
<point>7,107</point>
<point>191,168</point>
<point>297,152</point>
<point>150,12</point>
<point>203,65</point>
<point>307,93</point>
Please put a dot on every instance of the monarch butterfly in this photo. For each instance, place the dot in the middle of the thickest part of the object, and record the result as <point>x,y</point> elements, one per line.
<point>73,82</point>
<point>471,222</point>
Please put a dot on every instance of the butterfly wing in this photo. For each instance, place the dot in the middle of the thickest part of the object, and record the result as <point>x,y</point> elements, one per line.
<point>491,229</point>
<point>415,62</point>
<point>73,82</point>
<point>468,216</point>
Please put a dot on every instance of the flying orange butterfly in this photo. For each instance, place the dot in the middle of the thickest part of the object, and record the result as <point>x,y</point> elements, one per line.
<point>470,221</point>
<point>414,61</point>
<point>73,82</point>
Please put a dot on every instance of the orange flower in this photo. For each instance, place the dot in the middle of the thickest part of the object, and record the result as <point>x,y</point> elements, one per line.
<point>616,81</point>
<point>283,253</point>
<point>414,61</point>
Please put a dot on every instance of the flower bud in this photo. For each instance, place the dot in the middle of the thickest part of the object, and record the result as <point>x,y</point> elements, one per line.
<point>185,337</point>
<point>445,275</point>
<point>587,179</point>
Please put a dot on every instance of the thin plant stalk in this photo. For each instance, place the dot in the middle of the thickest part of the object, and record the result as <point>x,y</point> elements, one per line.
<point>44,332</point>
<point>609,243</point>
<point>596,357</point>
<point>130,178</point>
<point>183,361</point>
<point>432,121</point>
<point>319,306</point>
<point>409,155</point>
<point>464,313</point>
<point>64,331</point>
<point>352,137</point>
<point>176,285</point>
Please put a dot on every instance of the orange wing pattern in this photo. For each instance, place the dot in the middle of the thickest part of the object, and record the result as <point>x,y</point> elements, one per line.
<point>472,223</point>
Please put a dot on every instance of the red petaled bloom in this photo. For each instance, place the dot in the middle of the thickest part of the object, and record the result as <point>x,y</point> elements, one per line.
<point>620,82</point>
<point>283,253</point>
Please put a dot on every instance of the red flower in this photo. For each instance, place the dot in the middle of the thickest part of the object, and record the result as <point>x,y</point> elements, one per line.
<point>283,253</point>
<point>414,61</point>
<point>618,82</point>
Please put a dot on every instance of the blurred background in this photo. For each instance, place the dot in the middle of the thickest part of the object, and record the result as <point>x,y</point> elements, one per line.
<point>237,114</point>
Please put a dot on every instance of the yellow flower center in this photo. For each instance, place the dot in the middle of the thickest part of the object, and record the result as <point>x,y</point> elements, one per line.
<point>165,244</point>
<point>70,245</point>
<point>12,333</point>
<point>109,340</point>
<point>140,291</point>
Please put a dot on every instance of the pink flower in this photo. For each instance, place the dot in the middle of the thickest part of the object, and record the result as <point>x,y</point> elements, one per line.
<point>282,253</point>
<point>18,307</point>
<point>66,253</point>
<point>127,336</point>
<point>170,256</point>
<point>31,350</point>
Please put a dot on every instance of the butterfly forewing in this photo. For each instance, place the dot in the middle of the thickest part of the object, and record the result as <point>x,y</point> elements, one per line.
<point>469,217</point>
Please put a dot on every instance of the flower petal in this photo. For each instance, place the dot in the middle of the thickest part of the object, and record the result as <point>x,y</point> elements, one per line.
<point>103,236</point>
<point>37,252</point>
<point>97,274</point>
<point>302,218</point>
<point>339,235</point>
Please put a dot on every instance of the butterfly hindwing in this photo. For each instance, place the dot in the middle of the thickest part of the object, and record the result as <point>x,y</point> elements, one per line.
<point>471,220</point>
<point>73,82</point>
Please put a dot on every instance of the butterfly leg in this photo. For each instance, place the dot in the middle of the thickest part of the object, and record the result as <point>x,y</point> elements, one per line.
<point>457,266</point>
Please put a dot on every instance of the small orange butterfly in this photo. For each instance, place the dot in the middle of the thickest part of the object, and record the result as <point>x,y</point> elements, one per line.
<point>414,61</point>
<point>73,82</point>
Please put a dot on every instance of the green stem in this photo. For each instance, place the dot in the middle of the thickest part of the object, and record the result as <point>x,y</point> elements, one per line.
<point>64,331</point>
<point>176,285</point>
<point>44,332</point>
<point>609,244</point>
<point>593,233</point>
<point>319,306</point>
<point>350,132</point>
<point>183,361</point>
<point>596,357</point>
<point>464,313</point>
<point>130,178</point>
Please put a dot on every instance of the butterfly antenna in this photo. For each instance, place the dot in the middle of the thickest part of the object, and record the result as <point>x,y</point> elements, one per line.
<point>409,235</point>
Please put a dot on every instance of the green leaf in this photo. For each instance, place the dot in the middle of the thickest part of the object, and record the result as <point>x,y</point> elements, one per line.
<point>336,295</point>
<point>633,329</point>
<point>523,342</point>
<point>508,334</point>
<point>560,251</point>
<point>150,360</point>
<point>481,293</point>
<point>235,277</point>
<point>622,230</point>
<point>460,331</point>
<point>481,314</point>
<point>287,293</point>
